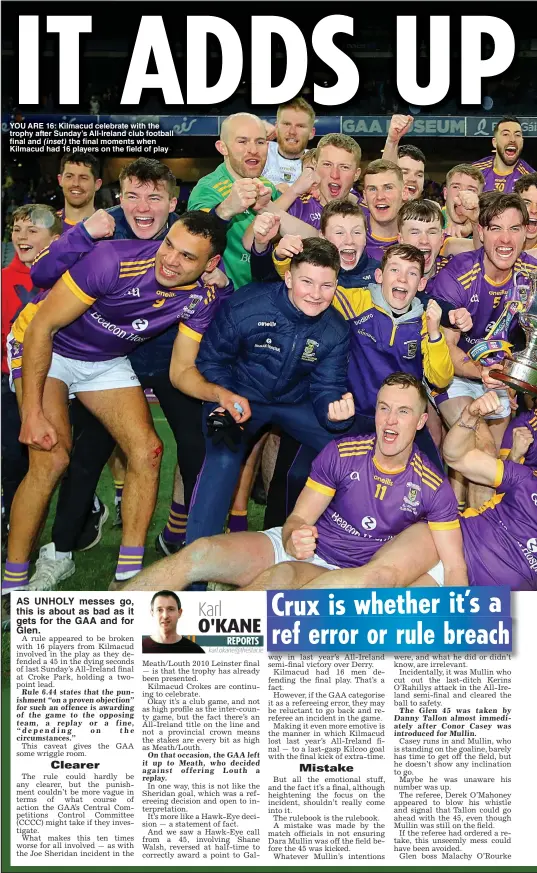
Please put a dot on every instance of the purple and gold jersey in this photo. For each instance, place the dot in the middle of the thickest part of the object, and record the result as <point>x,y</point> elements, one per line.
<point>525,419</point>
<point>308,209</point>
<point>504,183</point>
<point>370,505</point>
<point>463,282</point>
<point>66,224</point>
<point>500,539</point>
<point>376,245</point>
<point>127,304</point>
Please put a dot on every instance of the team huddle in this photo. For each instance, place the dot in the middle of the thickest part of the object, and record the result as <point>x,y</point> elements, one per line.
<point>364,328</point>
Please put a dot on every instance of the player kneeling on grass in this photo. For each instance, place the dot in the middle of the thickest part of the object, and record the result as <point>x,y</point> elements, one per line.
<point>362,492</point>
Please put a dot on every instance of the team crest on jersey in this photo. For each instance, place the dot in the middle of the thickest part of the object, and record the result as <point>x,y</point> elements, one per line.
<point>191,305</point>
<point>411,499</point>
<point>411,349</point>
<point>309,351</point>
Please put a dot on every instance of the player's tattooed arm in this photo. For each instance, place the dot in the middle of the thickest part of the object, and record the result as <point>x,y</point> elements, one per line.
<point>459,447</point>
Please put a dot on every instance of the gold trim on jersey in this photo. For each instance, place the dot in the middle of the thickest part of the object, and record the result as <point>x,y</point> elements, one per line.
<point>497,284</point>
<point>41,254</point>
<point>489,504</point>
<point>78,292</point>
<point>444,525</point>
<point>321,489</point>
<point>427,476</point>
<point>353,447</point>
<point>193,334</point>
<point>136,263</point>
<point>388,472</point>
<point>499,474</point>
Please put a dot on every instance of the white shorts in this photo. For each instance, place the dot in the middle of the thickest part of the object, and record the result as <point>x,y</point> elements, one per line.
<point>82,376</point>
<point>437,572</point>
<point>280,555</point>
<point>461,387</point>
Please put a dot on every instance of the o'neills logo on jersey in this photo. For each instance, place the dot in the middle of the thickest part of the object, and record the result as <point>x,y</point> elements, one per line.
<point>309,351</point>
<point>163,293</point>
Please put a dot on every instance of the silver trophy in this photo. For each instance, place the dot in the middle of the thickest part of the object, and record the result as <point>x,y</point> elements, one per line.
<point>520,370</point>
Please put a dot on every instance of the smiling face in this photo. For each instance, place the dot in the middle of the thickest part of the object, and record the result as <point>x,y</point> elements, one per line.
<point>400,280</point>
<point>78,184</point>
<point>146,206</point>
<point>294,129</point>
<point>338,171</point>
<point>244,146</point>
<point>383,193</point>
<point>509,142</point>
<point>529,196</point>
<point>399,414</point>
<point>459,182</point>
<point>167,614</point>
<point>426,236</point>
<point>311,288</point>
<point>413,177</point>
<point>503,240</point>
<point>183,257</point>
<point>29,239</point>
<point>347,233</point>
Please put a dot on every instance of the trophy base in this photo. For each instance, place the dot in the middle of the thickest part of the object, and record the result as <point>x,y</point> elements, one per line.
<point>521,377</point>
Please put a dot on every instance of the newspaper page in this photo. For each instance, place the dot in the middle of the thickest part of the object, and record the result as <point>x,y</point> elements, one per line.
<point>311,728</point>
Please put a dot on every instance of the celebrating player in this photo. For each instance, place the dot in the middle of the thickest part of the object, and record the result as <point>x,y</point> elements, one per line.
<point>362,491</point>
<point>503,169</point>
<point>295,122</point>
<point>526,187</point>
<point>79,180</point>
<point>383,195</point>
<point>116,297</point>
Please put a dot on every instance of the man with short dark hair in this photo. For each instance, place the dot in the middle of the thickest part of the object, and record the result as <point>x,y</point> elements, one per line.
<point>282,349</point>
<point>166,610</point>
<point>77,343</point>
<point>362,492</point>
<point>79,179</point>
<point>503,169</point>
<point>409,158</point>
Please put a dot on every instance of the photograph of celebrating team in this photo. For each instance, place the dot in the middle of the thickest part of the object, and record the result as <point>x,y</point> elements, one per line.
<point>308,315</point>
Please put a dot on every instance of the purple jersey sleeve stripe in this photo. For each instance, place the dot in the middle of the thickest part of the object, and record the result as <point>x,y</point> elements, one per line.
<point>41,254</point>
<point>322,489</point>
<point>193,334</point>
<point>78,292</point>
<point>444,525</point>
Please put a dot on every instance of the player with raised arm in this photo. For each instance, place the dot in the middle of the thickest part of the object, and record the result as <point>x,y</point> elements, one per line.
<point>502,169</point>
<point>482,281</point>
<point>362,492</point>
<point>76,343</point>
<point>409,157</point>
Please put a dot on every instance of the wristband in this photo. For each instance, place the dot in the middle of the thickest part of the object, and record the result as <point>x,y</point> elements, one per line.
<point>437,340</point>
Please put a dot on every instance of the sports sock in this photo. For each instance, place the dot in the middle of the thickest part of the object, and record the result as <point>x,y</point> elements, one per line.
<point>129,562</point>
<point>238,520</point>
<point>15,576</point>
<point>118,485</point>
<point>175,529</point>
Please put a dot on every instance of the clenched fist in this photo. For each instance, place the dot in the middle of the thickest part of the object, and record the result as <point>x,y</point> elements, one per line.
<point>289,245</point>
<point>243,194</point>
<point>266,226</point>
<point>216,277</point>
<point>399,125</point>
<point>308,179</point>
<point>461,319</point>
<point>522,440</point>
<point>302,542</point>
<point>100,225</point>
<point>484,405</point>
<point>433,315</point>
<point>341,410</point>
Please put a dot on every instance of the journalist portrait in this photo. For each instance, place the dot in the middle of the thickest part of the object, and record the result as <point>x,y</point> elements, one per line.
<point>166,611</point>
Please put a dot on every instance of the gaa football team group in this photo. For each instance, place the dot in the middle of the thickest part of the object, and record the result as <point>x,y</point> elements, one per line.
<point>307,316</point>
